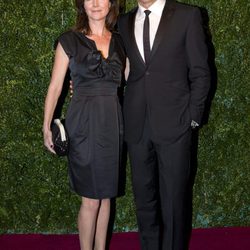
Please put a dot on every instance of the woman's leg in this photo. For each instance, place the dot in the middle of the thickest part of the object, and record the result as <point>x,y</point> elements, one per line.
<point>87,222</point>
<point>102,225</point>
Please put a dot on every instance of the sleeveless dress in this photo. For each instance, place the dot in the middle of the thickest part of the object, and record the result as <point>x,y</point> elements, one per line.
<point>94,120</point>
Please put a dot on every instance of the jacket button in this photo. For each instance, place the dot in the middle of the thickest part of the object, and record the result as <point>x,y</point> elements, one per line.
<point>147,73</point>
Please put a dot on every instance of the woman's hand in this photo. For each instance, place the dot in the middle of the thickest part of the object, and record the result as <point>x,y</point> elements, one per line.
<point>47,137</point>
<point>71,88</point>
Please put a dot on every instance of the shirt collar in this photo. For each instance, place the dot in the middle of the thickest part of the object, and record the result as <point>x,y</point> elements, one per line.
<point>156,8</point>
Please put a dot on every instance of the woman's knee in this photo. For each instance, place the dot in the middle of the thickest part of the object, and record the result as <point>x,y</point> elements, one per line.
<point>105,202</point>
<point>91,204</point>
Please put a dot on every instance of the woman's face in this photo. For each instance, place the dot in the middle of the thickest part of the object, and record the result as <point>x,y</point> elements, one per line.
<point>97,10</point>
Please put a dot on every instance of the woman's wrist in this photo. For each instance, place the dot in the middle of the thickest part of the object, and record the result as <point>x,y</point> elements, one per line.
<point>46,129</point>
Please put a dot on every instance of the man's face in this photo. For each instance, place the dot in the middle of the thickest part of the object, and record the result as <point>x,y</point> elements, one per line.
<point>146,3</point>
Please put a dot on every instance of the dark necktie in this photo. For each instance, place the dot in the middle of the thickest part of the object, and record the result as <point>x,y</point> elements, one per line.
<point>146,41</point>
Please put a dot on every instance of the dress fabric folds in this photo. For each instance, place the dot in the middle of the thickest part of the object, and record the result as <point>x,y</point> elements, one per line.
<point>94,120</point>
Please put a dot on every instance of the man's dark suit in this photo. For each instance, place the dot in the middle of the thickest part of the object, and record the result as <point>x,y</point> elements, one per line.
<point>161,100</point>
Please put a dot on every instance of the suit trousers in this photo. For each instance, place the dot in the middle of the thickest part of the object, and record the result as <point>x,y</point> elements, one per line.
<point>160,179</point>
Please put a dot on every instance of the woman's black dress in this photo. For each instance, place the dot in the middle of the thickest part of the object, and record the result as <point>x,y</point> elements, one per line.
<point>94,120</point>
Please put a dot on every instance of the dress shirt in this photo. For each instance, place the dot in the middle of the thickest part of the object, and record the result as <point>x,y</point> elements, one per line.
<point>154,19</point>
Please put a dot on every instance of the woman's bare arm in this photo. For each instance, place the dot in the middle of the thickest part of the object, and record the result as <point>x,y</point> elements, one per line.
<point>60,67</point>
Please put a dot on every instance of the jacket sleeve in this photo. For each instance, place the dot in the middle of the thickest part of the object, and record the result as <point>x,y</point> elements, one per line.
<point>199,73</point>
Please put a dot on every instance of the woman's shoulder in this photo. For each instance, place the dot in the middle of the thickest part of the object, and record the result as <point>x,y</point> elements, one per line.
<point>75,38</point>
<point>118,43</point>
<point>68,35</point>
<point>117,36</point>
<point>69,40</point>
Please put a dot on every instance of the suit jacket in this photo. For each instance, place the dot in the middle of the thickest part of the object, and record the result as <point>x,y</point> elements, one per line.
<point>171,90</point>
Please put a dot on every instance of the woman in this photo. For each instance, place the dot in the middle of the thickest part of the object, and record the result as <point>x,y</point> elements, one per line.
<point>95,57</point>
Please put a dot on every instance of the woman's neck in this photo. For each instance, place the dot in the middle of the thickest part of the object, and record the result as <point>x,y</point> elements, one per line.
<point>98,28</point>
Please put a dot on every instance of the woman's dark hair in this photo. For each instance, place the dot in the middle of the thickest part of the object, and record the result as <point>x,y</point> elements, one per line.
<point>82,21</point>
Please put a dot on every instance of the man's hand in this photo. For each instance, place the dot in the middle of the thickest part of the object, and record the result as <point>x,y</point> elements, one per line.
<point>194,124</point>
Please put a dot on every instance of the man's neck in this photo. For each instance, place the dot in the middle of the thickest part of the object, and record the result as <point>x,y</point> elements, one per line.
<point>146,3</point>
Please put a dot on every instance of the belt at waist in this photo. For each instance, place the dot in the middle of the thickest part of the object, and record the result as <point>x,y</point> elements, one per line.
<point>84,91</point>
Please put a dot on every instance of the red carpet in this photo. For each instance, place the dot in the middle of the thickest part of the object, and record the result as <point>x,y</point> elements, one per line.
<point>202,239</point>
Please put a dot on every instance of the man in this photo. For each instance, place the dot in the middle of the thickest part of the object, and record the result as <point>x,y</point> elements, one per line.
<point>164,98</point>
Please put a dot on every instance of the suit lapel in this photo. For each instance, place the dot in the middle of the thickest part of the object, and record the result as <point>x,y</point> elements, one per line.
<point>166,14</point>
<point>132,34</point>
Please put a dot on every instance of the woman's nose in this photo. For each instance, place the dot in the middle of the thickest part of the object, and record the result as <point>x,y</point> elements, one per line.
<point>95,2</point>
